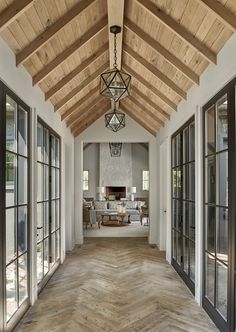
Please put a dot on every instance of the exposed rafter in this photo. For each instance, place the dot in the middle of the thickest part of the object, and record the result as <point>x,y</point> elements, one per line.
<point>95,115</point>
<point>49,33</point>
<point>137,119</point>
<point>85,64</point>
<point>146,111</point>
<point>147,100</point>
<point>150,87</point>
<point>97,28</point>
<point>76,106</point>
<point>161,76</point>
<point>73,121</point>
<point>80,87</point>
<point>11,13</point>
<point>223,14</point>
<point>155,45</point>
<point>176,27</point>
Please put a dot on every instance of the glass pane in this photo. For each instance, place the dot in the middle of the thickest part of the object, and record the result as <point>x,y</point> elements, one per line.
<point>179,181</point>
<point>192,221</point>
<point>22,180</point>
<point>210,278</point>
<point>191,181</point>
<point>23,287</point>
<point>179,247</point>
<point>22,229</point>
<point>40,142</point>
<point>222,234</point>
<point>186,255</point>
<point>46,183</point>
<point>11,124</point>
<point>222,124</point>
<point>53,215</point>
<point>57,213</point>
<point>11,179</point>
<point>192,141</point>
<point>22,131</point>
<point>46,256</point>
<point>221,288</point>
<point>210,179</point>
<point>53,248</point>
<point>210,131</point>
<point>173,151</point>
<point>174,248</point>
<point>11,289</point>
<point>178,148</point>
<point>222,177</point>
<point>46,145</point>
<point>52,182</point>
<point>40,182</point>
<point>185,182</point>
<point>57,152</point>
<point>186,218</point>
<point>57,183</point>
<point>40,220</point>
<point>53,148</point>
<point>39,261</point>
<point>185,145</point>
<point>177,214</point>
<point>210,229</point>
<point>192,260</point>
<point>10,235</point>
<point>58,244</point>
<point>174,182</point>
<point>46,219</point>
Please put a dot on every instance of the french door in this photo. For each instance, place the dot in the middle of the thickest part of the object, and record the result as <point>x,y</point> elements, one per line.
<point>219,208</point>
<point>183,203</point>
<point>48,202</point>
<point>14,208</point>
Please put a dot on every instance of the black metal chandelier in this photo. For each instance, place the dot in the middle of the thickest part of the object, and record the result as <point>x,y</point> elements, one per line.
<point>115,83</point>
<point>115,120</point>
<point>115,149</point>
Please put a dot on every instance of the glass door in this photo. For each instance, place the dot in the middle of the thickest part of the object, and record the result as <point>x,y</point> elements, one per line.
<point>15,214</point>
<point>48,202</point>
<point>183,203</point>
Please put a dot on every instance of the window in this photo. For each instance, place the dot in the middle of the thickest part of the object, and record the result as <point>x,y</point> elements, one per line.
<point>145,180</point>
<point>85,180</point>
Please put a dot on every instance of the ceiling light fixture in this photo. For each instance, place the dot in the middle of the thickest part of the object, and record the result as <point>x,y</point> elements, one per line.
<point>115,120</point>
<point>115,83</point>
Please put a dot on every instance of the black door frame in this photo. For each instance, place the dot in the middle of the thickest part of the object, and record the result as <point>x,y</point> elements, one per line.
<point>179,269</point>
<point>228,326</point>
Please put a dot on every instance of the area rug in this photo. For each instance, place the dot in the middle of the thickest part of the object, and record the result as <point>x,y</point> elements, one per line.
<point>113,223</point>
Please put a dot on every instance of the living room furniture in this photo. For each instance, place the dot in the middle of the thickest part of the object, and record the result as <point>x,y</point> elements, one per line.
<point>120,217</point>
<point>89,217</point>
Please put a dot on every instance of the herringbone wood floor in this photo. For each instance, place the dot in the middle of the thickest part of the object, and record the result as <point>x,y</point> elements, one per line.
<point>115,284</point>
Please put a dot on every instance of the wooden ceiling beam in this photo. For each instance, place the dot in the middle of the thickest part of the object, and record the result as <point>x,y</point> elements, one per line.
<point>137,119</point>
<point>223,14</point>
<point>161,76</point>
<point>97,113</point>
<point>76,106</point>
<point>179,30</point>
<point>150,87</point>
<point>150,102</point>
<point>91,33</point>
<point>156,46</point>
<point>50,32</point>
<point>85,64</point>
<point>13,11</point>
<point>80,112</point>
<point>80,87</point>
<point>146,111</point>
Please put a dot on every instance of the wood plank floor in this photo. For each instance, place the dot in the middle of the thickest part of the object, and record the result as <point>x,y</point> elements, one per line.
<point>115,284</point>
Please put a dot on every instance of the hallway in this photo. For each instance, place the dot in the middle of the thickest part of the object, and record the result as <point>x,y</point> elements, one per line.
<point>116,284</point>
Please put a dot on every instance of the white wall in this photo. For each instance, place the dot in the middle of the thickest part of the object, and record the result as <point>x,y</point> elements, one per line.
<point>212,81</point>
<point>20,82</point>
<point>91,164</point>
<point>132,133</point>
<point>139,164</point>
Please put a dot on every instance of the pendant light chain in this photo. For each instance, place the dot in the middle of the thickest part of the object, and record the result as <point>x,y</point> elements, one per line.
<point>115,51</point>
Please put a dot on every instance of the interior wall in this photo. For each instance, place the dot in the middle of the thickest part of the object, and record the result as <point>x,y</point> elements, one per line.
<point>212,81</point>
<point>132,133</point>
<point>20,82</point>
<point>139,164</point>
<point>91,164</point>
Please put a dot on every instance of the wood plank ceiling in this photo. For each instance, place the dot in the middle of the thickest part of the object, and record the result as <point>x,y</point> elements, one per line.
<point>166,46</point>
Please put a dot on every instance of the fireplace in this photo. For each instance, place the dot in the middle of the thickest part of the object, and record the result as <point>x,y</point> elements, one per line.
<point>117,192</point>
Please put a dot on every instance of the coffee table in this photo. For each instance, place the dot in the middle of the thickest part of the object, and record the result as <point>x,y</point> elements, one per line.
<point>120,216</point>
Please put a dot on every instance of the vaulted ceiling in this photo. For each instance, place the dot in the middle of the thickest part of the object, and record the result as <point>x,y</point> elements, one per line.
<point>165,46</point>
